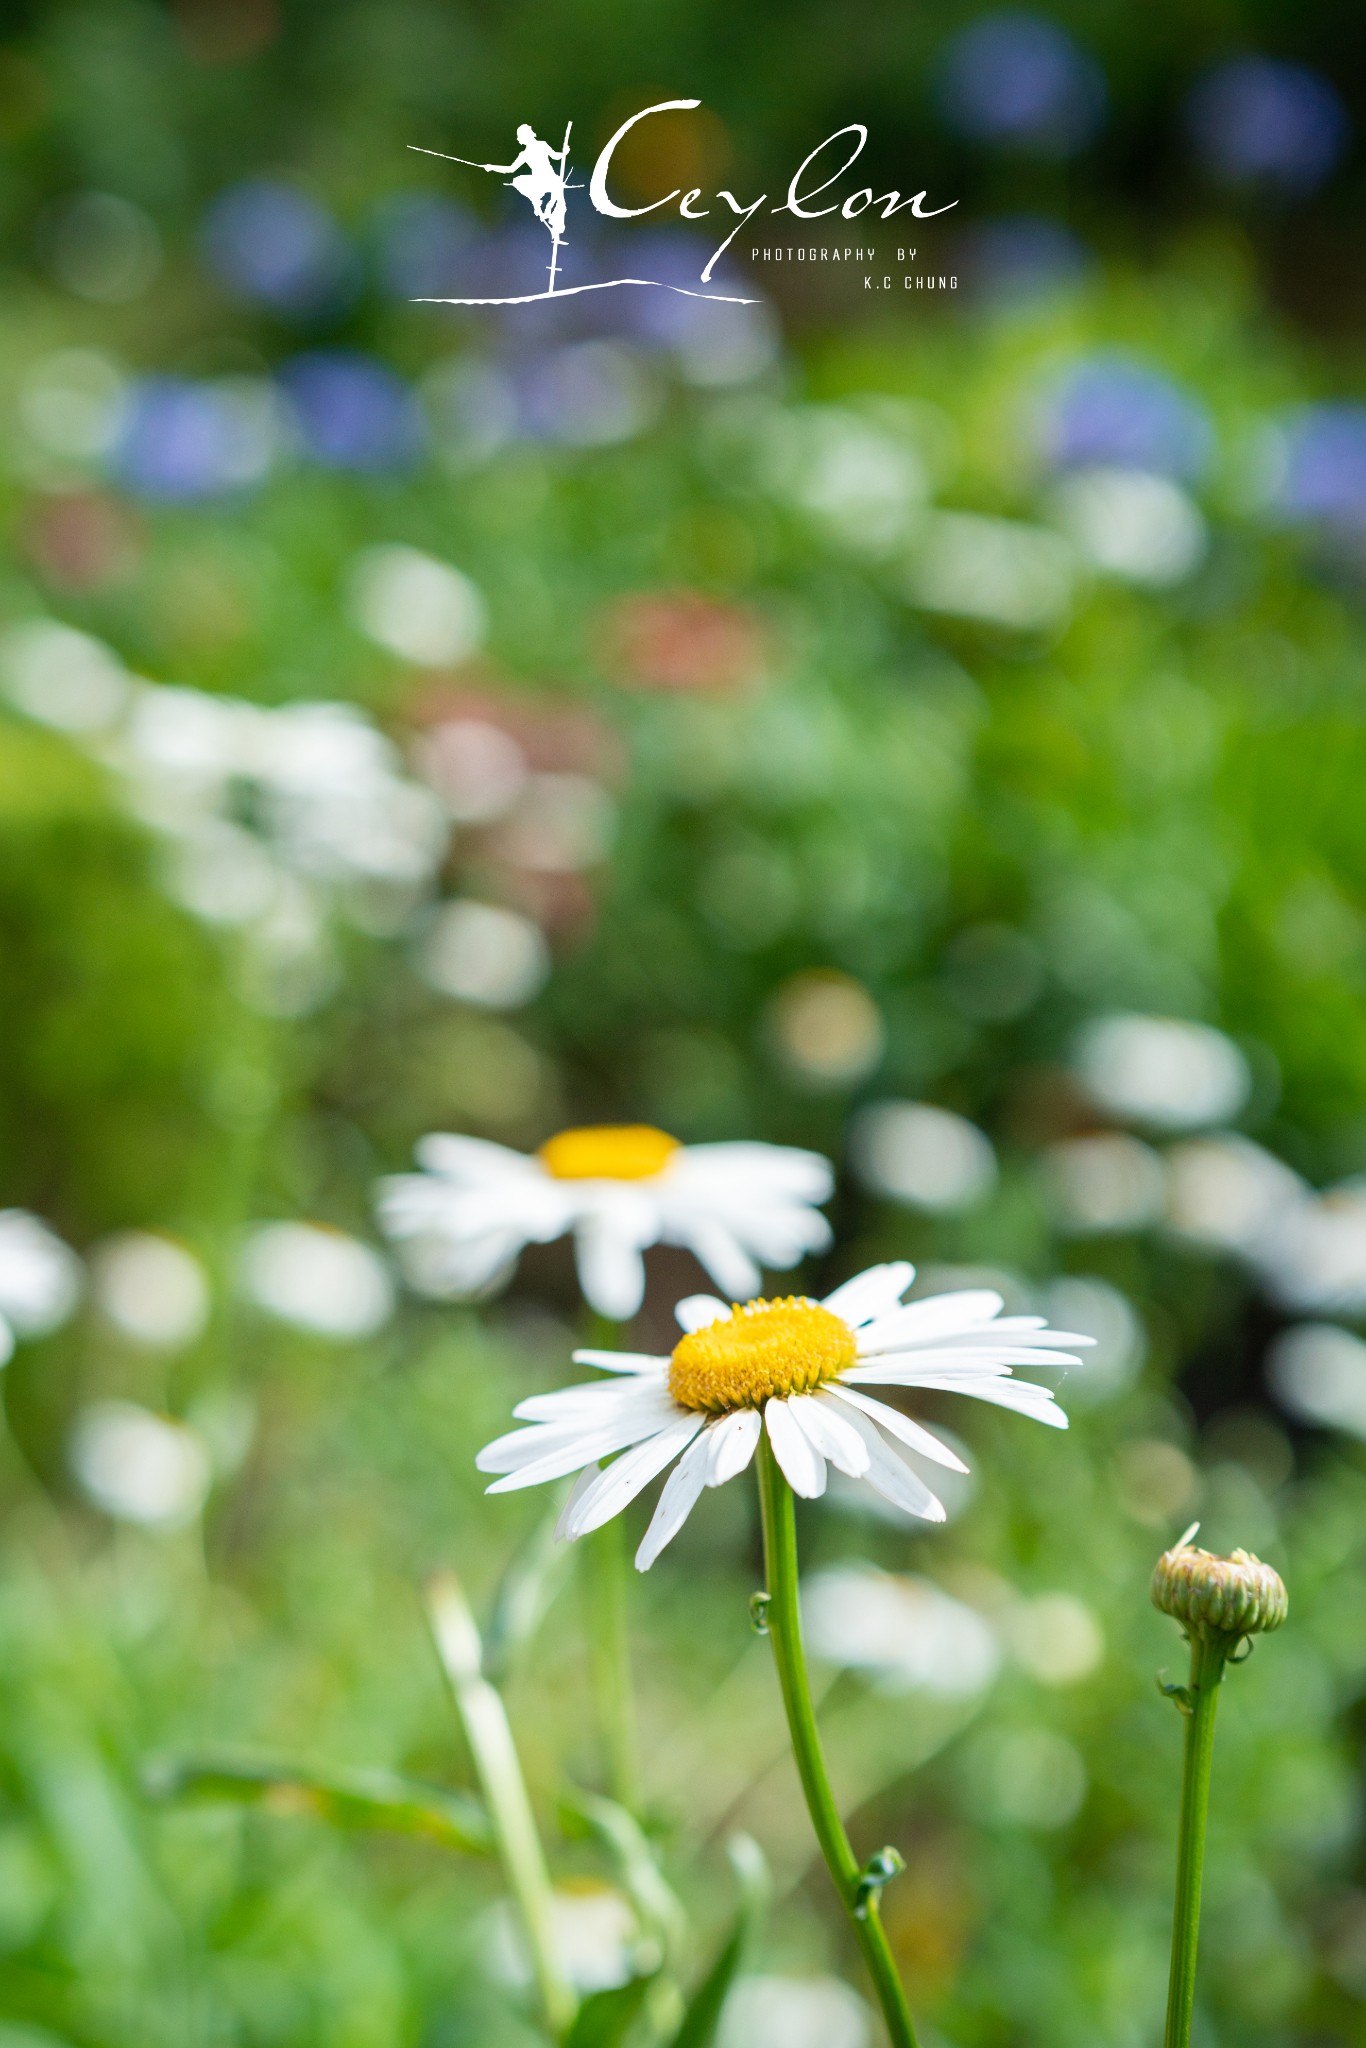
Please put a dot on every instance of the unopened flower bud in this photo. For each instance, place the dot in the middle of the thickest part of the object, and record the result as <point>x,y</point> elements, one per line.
<point>1218,1597</point>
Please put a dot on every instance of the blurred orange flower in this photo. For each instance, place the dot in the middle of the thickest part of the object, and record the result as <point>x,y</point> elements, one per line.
<point>81,541</point>
<point>683,640</point>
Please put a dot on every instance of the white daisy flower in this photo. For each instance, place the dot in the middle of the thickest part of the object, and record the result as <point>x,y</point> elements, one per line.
<point>803,1371</point>
<point>618,1188</point>
<point>40,1279</point>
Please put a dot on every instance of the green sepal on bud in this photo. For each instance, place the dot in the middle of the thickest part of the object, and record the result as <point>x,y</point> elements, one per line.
<point>1219,1600</point>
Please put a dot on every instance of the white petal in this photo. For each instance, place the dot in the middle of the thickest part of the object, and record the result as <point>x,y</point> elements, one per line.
<point>1001,1391</point>
<point>549,1453</point>
<point>831,1435</point>
<point>557,1462</point>
<point>913,1434</point>
<point>1021,1395</point>
<point>873,1293</point>
<point>473,1160</point>
<point>1037,1348</point>
<point>622,1480</point>
<point>731,1442</point>
<point>681,1490</point>
<point>469,1267</point>
<point>576,1494</point>
<point>998,1324</point>
<point>620,1361</point>
<point>774,1235</point>
<point>802,1464</point>
<point>718,1250</point>
<point>893,1478</point>
<point>904,1368</point>
<point>437,1258</point>
<point>6,1342</point>
<point>611,1270</point>
<point>1014,1329</point>
<point>755,1167</point>
<point>596,1401</point>
<point>695,1311</point>
<point>522,1447</point>
<point>575,1407</point>
<point>923,1322</point>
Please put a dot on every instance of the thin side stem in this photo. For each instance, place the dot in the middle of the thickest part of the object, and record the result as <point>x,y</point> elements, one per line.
<point>606,1577</point>
<point>1207,1671</point>
<point>784,1627</point>
<point>499,1770</point>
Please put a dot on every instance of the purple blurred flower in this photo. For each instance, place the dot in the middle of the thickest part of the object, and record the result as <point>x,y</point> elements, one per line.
<point>1323,481</point>
<point>1256,120</point>
<point>515,259</point>
<point>181,440</point>
<point>1019,259</point>
<point>273,243</point>
<point>424,246</point>
<point>1113,411</point>
<point>667,256</point>
<point>587,395</point>
<point>1020,81</point>
<point>353,412</point>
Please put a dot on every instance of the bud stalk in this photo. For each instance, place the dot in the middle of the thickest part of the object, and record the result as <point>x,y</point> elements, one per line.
<point>1220,1602</point>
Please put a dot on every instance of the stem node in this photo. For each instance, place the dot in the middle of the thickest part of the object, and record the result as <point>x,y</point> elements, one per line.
<point>876,1874</point>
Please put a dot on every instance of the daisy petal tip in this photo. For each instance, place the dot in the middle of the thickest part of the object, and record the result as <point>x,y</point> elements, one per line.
<point>696,1311</point>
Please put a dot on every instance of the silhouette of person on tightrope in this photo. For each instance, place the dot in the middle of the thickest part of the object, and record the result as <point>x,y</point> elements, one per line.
<point>542,178</point>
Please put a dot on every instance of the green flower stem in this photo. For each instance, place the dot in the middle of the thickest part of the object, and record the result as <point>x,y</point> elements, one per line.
<point>1207,1671</point>
<point>606,1580</point>
<point>498,1766</point>
<point>784,1627</point>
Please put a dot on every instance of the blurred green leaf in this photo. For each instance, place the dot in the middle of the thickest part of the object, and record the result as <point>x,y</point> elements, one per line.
<point>705,2007</point>
<point>605,2018</point>
<point>348,1799</point>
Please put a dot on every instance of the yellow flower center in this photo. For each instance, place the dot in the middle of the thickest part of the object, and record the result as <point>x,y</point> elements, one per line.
<point>764,1349</point>
<point>608,1152</point>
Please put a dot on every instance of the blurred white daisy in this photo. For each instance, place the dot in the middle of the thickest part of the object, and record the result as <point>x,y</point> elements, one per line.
<point>140,1467</point>
<point>273,820</point>
<point>800,1370</point>
<point>313,788</point>
<point>618,1188</point>
<point>40,1279</point>
<point>316,1278</point>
